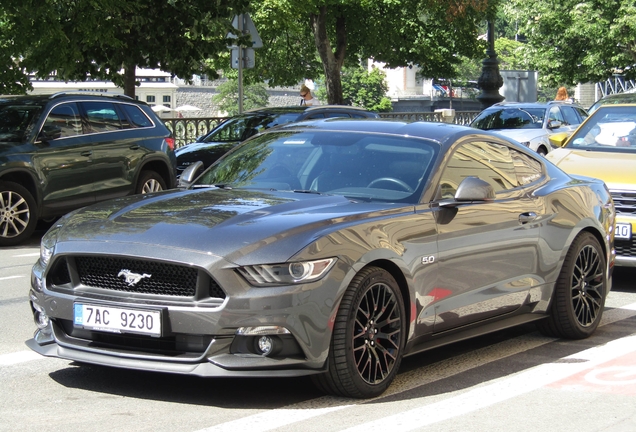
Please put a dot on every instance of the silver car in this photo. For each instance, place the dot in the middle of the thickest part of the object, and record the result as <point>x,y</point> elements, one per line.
<point>329,248</point>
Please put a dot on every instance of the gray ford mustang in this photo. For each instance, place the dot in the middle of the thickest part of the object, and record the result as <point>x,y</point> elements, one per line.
<point>328,248</point>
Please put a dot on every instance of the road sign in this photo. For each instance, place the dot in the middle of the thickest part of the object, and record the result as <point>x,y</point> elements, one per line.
<point>248,57</point>
<point>243,24</point>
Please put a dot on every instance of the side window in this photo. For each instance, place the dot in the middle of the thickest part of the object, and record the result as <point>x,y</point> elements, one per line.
<point>102,116</point>
<point>337,114</point>
<point>555,114</point>
<point>65,117</point>
<point>528,169</point>
<point>490,162</point>
<point>136,116</point>
<point>582,113</point>
<point>315,116</point>
<point>570,115</point>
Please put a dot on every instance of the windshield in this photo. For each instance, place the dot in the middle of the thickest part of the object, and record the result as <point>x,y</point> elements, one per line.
<point>610,128</point>
<point>16,121</point>
<point>242,127</point>
<point>363,166</point>
<point>510,118</point>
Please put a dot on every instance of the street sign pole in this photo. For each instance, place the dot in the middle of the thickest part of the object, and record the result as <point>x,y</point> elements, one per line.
<point>240,67</point>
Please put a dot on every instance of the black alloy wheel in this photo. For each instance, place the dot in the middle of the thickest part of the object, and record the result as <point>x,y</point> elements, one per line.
<point>579,297</point>
<point>368,337</point>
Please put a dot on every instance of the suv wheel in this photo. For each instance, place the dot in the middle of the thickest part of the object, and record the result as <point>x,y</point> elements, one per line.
<point>150,181</point>
<point>17,214</point>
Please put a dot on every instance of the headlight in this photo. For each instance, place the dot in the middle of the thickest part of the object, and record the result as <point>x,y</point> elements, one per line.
<point>47,245</point>
<point>525,143</point>
<point>287,273</point>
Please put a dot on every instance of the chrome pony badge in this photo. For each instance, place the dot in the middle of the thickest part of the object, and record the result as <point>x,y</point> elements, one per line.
<point>131,278</point>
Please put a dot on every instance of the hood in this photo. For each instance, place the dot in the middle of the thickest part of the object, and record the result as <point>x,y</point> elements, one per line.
<point>617,170</point>
<point>229,223</point>
<point>520,135</point>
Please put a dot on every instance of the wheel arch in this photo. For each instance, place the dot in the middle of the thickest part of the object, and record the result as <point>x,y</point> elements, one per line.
<point>26,180</point>
<point>161,168</point>
<point>395,271</point>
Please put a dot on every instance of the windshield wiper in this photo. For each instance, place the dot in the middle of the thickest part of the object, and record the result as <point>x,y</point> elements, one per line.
<point>309,191</point>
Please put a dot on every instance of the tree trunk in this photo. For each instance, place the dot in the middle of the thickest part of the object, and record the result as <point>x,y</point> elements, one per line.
<point>331,62</point>
<point>130,79</point>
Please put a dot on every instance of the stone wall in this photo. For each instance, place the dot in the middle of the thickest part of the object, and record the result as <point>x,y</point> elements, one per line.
<point>201,96</point>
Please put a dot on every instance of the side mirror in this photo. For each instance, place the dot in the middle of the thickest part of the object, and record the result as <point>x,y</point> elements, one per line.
<point>554,124</point>
<point>471,189</point>
<point>558,139</point>
<point>49,133</point>
<point>189,175</point>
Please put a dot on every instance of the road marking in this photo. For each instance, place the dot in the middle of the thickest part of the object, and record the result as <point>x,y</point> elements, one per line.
<point>11,277</point>
<point>294,413</point>
<point>18,357</point>
<point>34,254</point>
<point>502,389</point>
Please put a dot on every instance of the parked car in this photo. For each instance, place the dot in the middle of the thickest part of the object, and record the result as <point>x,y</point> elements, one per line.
<point>67,150</point>
<point>208,148</point>
<point>531,124</point>
<point>604,146</point>
<point>328,248</point>
<point>613,99</point>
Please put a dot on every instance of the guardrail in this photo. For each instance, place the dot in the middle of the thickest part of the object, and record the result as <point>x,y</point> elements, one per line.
<point>186,130</point>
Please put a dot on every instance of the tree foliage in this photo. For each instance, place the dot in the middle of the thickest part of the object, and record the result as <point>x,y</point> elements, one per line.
<point>578,40</point>
<point>102,38</point>
<point>313,38</point>
<point>254,96</point>
<point>363,88</point>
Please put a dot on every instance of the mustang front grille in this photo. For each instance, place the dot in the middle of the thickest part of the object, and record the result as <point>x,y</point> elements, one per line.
<point>132,276</point>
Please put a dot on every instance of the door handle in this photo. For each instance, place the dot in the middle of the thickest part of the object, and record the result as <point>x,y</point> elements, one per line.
<point>87,153</point>
<point>134,147</point>
<point>524,218</point>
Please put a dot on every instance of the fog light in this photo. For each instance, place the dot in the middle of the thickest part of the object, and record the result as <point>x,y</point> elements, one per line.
<point>42,320</point>
<point>265,345</point>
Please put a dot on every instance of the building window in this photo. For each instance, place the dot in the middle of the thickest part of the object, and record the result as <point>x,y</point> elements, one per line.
<point>166,100</point>
<point>150,99</point>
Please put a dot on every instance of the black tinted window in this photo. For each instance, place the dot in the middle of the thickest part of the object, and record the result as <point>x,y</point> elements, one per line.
<point>136,116</point>
<point>66,118</point>
<point>102,116</point>
<point>510,118</point>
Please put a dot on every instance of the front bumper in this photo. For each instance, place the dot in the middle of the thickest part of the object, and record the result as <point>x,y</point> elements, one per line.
<point>198,338</point>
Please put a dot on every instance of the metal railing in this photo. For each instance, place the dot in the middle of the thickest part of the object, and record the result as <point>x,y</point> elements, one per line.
<point>186,130</point>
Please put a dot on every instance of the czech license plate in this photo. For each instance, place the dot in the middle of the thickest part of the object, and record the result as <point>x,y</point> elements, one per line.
<point>623,231</point>
<point>117,320</point>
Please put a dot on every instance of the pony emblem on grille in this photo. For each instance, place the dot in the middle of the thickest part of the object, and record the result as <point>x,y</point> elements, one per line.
<point>131,278</point>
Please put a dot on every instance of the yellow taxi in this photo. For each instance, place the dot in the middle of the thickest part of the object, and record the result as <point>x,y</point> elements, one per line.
<point>604,146</point>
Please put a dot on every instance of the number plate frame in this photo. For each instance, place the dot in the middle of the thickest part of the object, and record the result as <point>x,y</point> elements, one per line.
<point>623,231</point>
<point>113,313</point>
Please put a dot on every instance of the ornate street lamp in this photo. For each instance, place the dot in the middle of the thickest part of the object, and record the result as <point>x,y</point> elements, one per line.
<point>490,80</point>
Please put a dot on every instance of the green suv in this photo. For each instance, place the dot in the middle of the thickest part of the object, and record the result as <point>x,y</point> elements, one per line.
<point>64,151</point>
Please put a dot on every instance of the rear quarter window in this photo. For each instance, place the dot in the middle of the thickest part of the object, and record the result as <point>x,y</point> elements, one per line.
<point>137,117</point>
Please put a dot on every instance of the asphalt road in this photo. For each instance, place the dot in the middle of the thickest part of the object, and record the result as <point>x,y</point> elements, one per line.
<point>514,380</point>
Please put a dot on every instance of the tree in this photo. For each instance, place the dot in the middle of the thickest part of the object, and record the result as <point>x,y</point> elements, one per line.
<point>310,38</point>
<point>363,88</point>
<point>578,40</point>
<point>254,96</point>
<point>102,38</point>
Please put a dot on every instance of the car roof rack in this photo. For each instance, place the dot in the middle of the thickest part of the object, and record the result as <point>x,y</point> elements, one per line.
<point>88,92</point>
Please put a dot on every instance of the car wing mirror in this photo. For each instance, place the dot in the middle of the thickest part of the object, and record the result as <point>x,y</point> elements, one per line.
<point>558,139</point>
<point>554,124</point>
<point>189,175</point>
<point>471,189</point>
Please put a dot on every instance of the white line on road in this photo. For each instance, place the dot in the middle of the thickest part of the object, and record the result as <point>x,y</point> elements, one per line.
<point>502,390</point>
<point>11,277</point>
<point>18,357</point>
<point>295,413</point>
<point>34,254</point>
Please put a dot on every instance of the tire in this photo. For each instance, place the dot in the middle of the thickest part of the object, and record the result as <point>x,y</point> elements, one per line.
<point>150,181</point>
<point>368,337</point>
<point>579,294</point>
<point>18,214</point>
